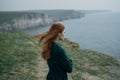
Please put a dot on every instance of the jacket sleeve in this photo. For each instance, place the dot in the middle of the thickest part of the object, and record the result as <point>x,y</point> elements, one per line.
<point>64,61</point>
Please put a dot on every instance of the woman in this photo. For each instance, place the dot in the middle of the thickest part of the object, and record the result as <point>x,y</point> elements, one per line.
<point>58,62</point>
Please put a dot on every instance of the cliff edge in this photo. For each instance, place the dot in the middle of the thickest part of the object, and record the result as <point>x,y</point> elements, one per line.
<point>20,59</point>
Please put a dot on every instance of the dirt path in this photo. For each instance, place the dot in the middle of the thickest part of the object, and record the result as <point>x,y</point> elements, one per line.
<point>42,68</point>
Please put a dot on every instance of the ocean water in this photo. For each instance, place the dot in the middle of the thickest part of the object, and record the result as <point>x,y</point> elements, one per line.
<point>99,32</point>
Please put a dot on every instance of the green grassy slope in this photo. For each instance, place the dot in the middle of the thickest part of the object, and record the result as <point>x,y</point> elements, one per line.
<point>8,16</point>
<point>58,13</point>
<point>17,57</point>
<point>18,60</point>
<point>91,65</point>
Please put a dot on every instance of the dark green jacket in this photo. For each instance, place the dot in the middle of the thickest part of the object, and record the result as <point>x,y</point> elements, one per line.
<point>59,64</point>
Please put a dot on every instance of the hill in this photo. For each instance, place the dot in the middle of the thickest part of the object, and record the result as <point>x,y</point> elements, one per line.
<point>94,11</point>
<point>20,60</point>
<point>61,14</point>
<point>17,57</point>
<point>23,20</point>
<point>31,19</point>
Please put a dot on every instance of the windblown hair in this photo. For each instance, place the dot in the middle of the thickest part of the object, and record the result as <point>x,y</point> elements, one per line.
<point>49,37</point>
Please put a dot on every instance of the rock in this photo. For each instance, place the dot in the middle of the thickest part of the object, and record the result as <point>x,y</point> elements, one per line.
<point>25,21</point>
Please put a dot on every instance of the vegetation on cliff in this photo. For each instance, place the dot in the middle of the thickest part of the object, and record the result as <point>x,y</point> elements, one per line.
<point>17,57</point>
<point>30,19</point>
<point>19,54</point>
<point>23,20</point>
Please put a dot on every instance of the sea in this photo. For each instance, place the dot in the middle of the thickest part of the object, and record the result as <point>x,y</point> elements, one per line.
<point>97,31</point>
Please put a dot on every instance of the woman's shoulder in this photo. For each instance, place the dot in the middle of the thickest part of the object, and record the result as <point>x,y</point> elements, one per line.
<point>57,46</point>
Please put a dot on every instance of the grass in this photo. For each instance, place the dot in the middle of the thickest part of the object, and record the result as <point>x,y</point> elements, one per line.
<point>18,60</point>
<point>17,57</point>
<point>8,16</point>
<point>88,63</point>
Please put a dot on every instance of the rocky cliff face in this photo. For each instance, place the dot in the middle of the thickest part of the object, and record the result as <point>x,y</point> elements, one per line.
<point>25,21</point>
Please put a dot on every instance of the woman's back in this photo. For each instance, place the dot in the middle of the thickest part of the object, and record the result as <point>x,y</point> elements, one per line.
<point>59,64</point>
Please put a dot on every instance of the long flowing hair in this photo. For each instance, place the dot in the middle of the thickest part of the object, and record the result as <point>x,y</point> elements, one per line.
<point>49,37</point>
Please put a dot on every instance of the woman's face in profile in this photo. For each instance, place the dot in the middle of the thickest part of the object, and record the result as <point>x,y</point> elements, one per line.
<point>61,35</point>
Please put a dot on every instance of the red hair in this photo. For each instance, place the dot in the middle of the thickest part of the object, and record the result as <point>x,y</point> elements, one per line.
<point>50,36</point>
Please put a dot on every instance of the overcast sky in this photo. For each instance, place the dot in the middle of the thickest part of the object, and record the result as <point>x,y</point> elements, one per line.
<point>13,5</point>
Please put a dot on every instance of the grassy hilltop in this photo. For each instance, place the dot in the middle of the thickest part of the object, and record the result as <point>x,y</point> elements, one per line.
<point>17,57</point>
<point>8,16</point>
<point>30,19</point>
<point>19,60</point>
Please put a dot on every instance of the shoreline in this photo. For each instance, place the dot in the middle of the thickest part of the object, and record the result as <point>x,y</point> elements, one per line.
<point>26,59</point>
<point>31,19</point>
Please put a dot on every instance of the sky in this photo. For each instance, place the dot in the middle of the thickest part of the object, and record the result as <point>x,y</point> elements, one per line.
<point>18,5</point>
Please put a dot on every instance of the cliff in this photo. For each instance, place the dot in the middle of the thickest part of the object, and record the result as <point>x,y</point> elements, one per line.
<point>26,20</point>
<point>20,59</point>
<point>31,19</point>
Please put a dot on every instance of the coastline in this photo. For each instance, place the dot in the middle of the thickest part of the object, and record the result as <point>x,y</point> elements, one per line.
<point>32,19</point>
<point>24,61</point>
